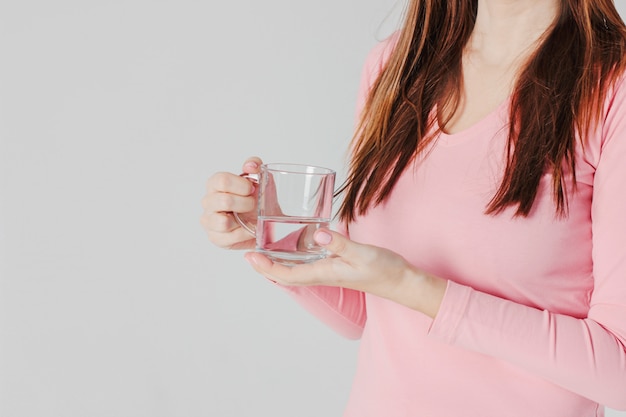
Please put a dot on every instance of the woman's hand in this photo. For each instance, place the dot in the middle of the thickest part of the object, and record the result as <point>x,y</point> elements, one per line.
<point>227,193</point>
<point>360,267</point>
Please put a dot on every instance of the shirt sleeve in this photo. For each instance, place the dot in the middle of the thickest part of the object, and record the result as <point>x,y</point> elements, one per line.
<point>344,310</point>
<point>584,355</point>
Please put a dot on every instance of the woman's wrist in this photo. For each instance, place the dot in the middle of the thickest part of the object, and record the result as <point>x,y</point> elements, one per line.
<point>420,291</point>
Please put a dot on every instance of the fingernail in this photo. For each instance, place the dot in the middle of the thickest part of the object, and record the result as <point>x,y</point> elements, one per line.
<point>323,238</point>
<point>251,260</point>
<point>251,165</point>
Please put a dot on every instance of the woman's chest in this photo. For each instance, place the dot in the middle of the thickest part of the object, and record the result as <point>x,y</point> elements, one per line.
<point>436,219</point>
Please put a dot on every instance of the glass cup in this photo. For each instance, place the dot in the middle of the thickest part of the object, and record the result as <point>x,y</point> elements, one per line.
<point>293,201</point>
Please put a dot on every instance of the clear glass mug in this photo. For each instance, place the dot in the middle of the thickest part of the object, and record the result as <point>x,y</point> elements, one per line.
<point>293,201</point>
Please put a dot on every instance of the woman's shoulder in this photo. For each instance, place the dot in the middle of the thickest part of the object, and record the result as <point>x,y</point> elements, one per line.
<point>610,129</point>
<point>383,48</point>
<point>614,99</point>
<point>379,55</point>
<point>616,89</point>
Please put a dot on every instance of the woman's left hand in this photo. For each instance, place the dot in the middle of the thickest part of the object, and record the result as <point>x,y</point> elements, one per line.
<point>366,268</point>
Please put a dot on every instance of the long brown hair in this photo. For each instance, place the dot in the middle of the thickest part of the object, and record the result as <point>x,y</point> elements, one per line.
<point>559,92</point>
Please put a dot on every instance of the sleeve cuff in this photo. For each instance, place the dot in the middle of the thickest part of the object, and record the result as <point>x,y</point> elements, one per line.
<point>452,310</point>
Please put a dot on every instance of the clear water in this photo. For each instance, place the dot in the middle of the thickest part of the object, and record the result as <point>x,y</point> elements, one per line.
<point>289,240</point>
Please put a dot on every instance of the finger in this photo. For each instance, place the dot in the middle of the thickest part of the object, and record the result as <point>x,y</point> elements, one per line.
<point>219,222</point>
<point>230,241</point>
<point>252,165</point>
<point>237,239</point>
<point>270,270</point>
<point>259,262</point>
<point>226,202</point>
<point>302,274</point>
<point>226,182</point>
<point>336,243</point>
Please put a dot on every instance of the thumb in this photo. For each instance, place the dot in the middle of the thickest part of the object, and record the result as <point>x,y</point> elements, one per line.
<point>334,242</point>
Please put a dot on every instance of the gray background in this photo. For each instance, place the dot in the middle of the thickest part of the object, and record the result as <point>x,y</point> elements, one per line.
<point>112,116</point>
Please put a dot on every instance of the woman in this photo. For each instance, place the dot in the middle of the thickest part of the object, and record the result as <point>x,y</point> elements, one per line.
<point>482,259</point>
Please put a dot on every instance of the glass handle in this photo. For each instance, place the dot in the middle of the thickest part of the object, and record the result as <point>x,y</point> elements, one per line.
<point>246,225</point>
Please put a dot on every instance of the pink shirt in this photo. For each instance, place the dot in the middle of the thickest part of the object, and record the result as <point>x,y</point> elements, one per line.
<point>533,322</point>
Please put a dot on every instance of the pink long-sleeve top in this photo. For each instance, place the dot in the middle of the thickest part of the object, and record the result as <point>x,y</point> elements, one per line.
<point>533,321</point>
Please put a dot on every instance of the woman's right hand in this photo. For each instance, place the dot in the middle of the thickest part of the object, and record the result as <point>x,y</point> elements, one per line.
<point>227,193</point>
